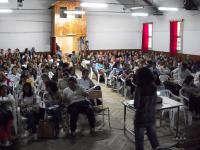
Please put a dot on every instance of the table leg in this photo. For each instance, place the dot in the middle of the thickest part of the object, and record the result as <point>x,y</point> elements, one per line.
<point>177,124</point>
<point>124,118</point>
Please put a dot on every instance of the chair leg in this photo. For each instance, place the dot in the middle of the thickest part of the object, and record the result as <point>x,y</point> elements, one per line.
<point>185,117</point>
<point>91,74</point>
<point>98,78</point>
<point>189,118</point>
<point>109,117</point>
<point>103,118</point>
<point>105,78</point>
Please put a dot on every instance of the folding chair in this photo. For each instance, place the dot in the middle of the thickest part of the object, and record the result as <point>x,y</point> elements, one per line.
<point>99,109</point>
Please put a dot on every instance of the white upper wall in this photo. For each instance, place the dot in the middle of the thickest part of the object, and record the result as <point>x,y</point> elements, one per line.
<point>161,30</point>
<point>27,27</point>
<point>110,28</point>
<point>112,32</point>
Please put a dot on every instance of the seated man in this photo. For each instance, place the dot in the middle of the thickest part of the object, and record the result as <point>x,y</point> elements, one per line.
<point>75,97</point>
<point>85,82</point>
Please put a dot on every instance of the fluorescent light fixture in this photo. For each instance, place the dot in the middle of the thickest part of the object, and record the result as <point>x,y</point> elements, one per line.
<point>3,1</point>
<point>135,8</point>
<point>94,5</point>
<point>6,10</point>
<point>140,14</point>
<point>168,8</point>
<point>71,12</point>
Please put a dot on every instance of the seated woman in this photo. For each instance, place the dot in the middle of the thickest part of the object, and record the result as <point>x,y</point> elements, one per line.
<point>158,83</point>
<point>53,104</point>
<point>192,92</point>
<point>6,117</point>
<point>72,72</point>
<point>41,83</point>
<point>99,68</point>
<point>75,98</point>
<point>63,82</point>
<point>14,76</point>
<point>29,109</point>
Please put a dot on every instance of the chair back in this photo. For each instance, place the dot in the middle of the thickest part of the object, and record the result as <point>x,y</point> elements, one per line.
<point>163,78</point>
<point>95,94</point>
<point>166,93</point>
<point>169,94</point>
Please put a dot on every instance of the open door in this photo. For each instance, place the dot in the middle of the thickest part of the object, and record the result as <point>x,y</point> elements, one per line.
<point>68,44</point>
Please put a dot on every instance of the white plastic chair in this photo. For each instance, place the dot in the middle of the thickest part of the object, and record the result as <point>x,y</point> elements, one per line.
<point>99,75</point>
<point>163,78</point>
<point>172,112</point>
<point>91,73</point>
<point>185,101</point>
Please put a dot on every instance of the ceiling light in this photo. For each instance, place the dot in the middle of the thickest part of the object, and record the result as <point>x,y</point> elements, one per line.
<point>140,14</point>
<point>3,1</point>
<point>6,10</point>
<point>94,5</point>
<point>168,9</point>
<point>71,12</point>
<point>140,7</point>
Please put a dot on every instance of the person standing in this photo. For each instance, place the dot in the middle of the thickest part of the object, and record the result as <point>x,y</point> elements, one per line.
<point>74,59</point>
<point>145,105</point>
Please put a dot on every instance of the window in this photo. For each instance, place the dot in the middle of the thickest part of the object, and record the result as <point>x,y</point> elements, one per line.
<point>179,35</point>
<point>176,35</point>
<point>78,9</point>
<point>62,12</point>
<point>147,37</point>
<point>150,42</point>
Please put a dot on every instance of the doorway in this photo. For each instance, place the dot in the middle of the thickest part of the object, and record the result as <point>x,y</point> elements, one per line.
<point>69,43</point>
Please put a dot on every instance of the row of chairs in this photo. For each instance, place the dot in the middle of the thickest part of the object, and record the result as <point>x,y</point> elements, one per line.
<point>113,82</point>
<point>99,110</point>
<point>181,98</point>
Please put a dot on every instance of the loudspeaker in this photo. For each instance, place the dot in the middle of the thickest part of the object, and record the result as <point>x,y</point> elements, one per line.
<point>190,5</point>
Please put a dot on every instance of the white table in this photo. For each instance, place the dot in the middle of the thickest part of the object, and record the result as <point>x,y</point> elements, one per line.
<point>167,103</point>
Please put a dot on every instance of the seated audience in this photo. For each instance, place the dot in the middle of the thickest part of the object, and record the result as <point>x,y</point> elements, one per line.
<point>85,82</point>
<point>29,109</point>
<point>192,92</point>
<point>53,104</point>
<point>75,98</point>
<point>183,72</point>
<point>6,117</point>
<point>158,83</point>
<point>14,76</point>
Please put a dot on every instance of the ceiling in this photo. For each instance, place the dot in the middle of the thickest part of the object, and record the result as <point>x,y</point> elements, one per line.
<point>171,3</point>
<point>151,6</point>
<point>115,6</point>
